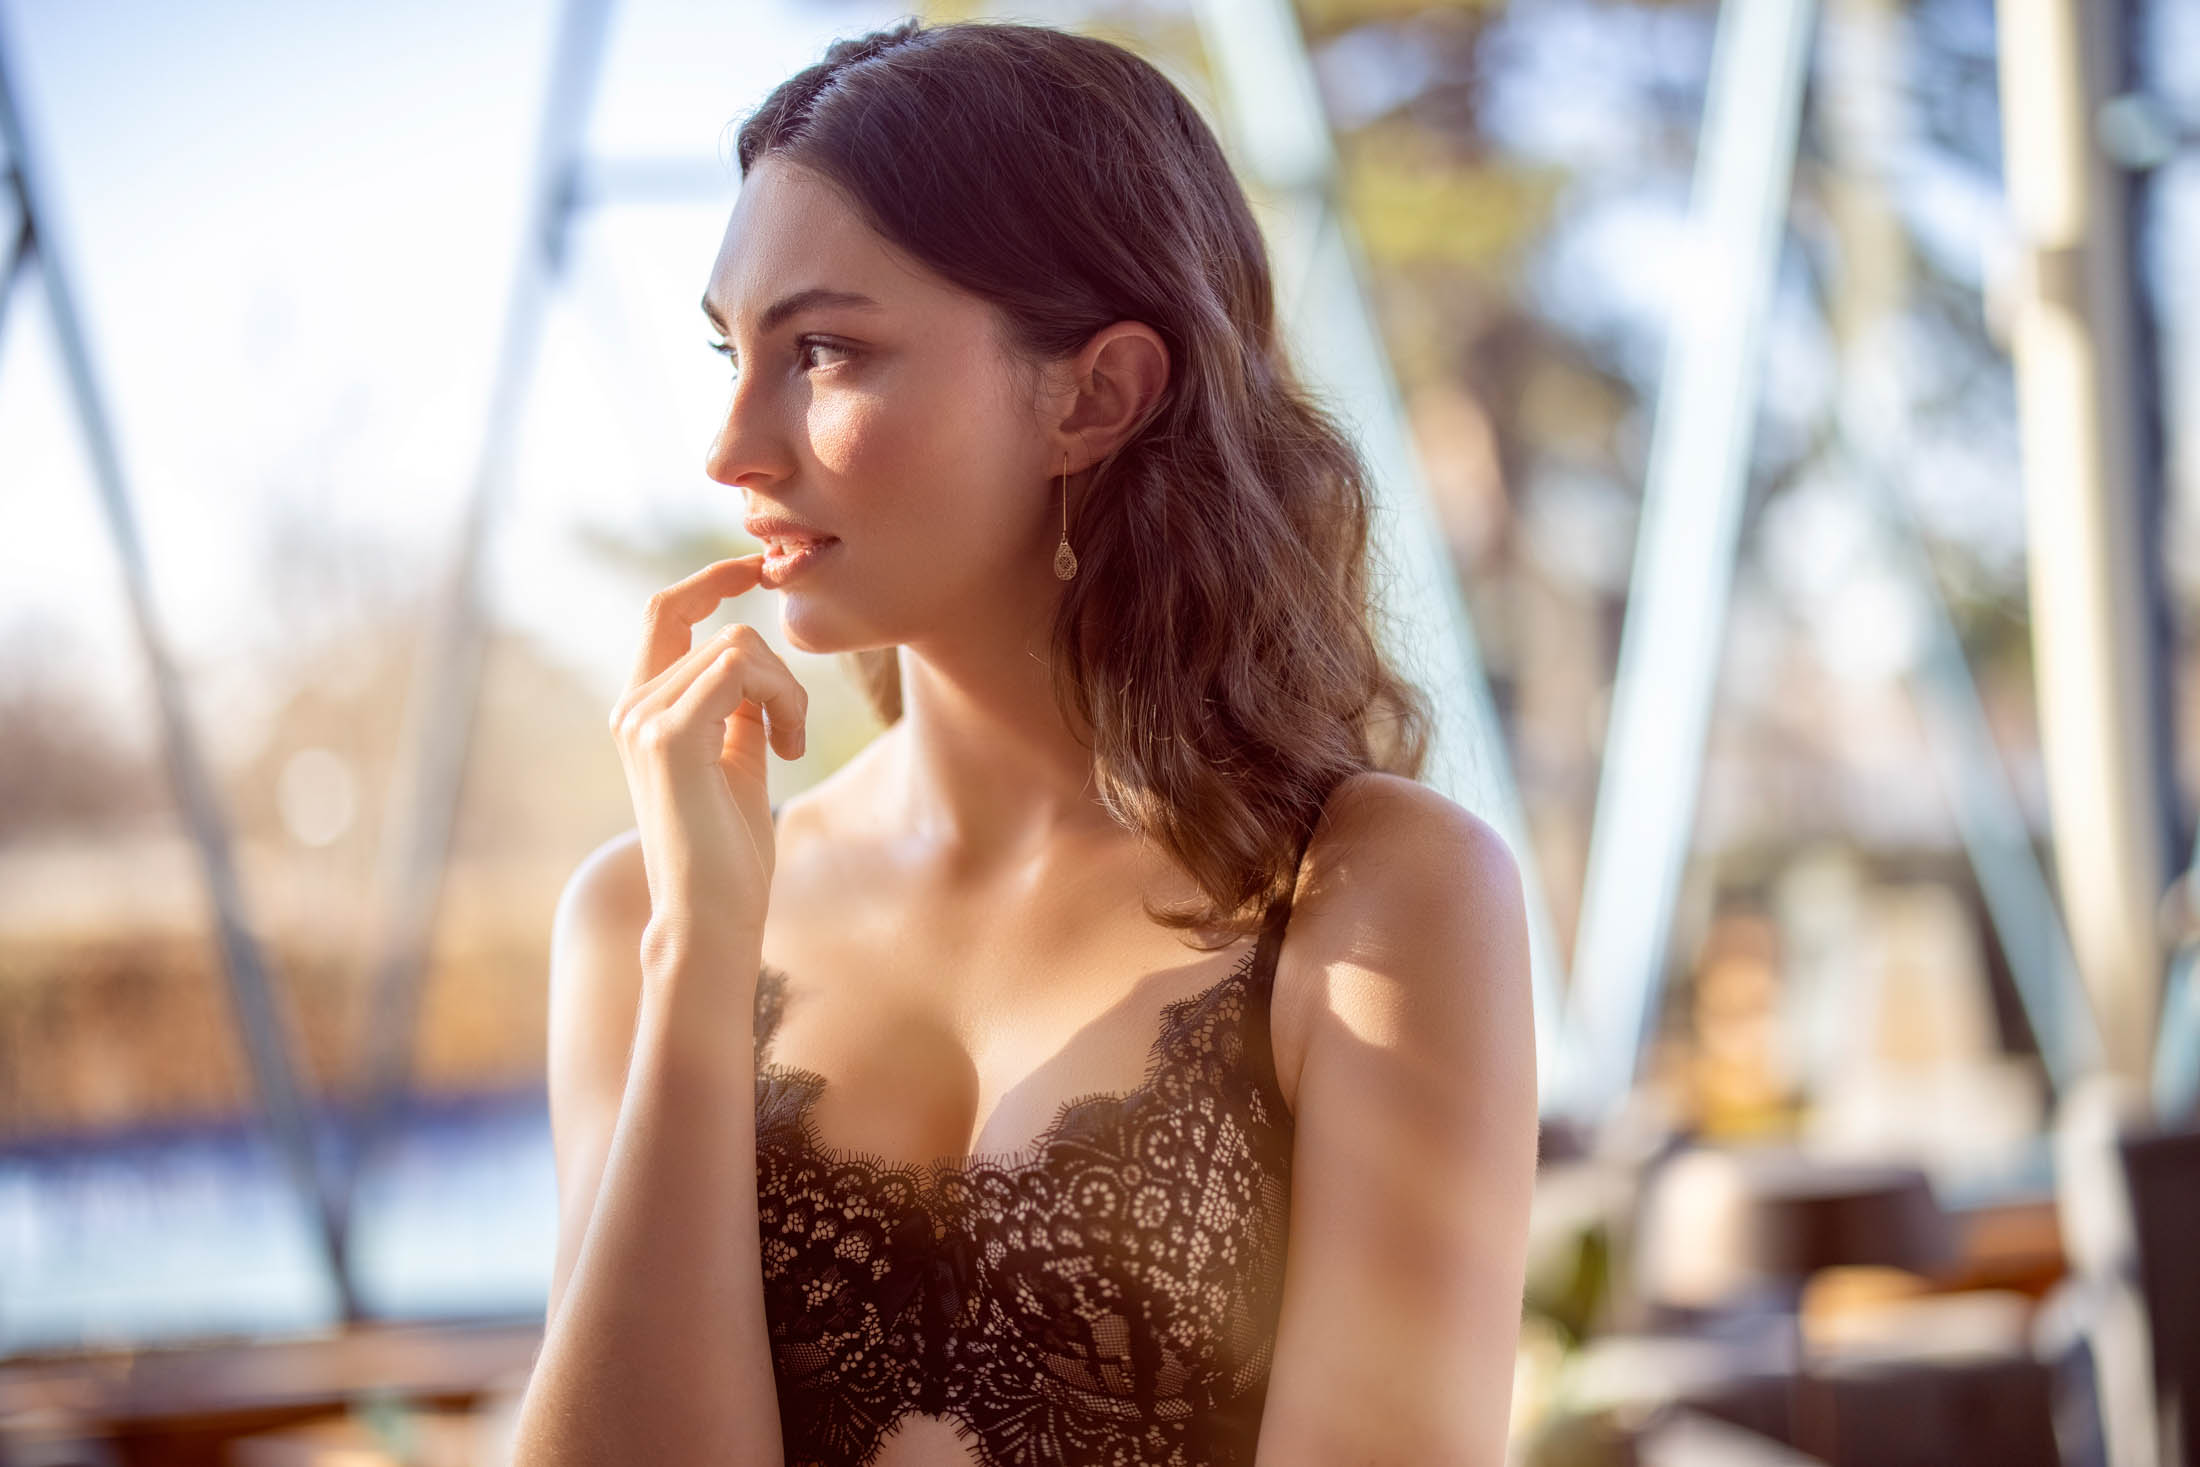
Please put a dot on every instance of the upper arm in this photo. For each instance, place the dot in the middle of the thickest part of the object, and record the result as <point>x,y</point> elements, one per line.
<point>595,992</point>
<point>1413,1163</point>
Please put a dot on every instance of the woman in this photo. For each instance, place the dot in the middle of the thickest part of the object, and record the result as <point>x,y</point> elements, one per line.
<point>962,1112</point>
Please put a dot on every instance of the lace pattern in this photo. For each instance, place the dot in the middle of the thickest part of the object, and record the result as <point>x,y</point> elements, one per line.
<point>1108,1295</point>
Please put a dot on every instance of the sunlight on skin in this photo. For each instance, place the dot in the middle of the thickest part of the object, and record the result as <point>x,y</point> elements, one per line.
<point>1415,1154</point>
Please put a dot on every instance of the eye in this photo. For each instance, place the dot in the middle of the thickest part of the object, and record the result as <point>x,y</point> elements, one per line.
<point>809,344</point>
<point>803,348</point>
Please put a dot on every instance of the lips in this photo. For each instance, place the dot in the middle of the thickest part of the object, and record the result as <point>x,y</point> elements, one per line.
<point>785,557</point>
<point>778,531</point>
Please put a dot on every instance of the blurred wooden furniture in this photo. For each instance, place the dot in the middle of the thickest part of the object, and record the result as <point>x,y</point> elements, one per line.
<point>266,1402</point>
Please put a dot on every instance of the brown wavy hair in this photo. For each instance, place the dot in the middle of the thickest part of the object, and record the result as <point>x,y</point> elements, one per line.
<point>1219,640</point>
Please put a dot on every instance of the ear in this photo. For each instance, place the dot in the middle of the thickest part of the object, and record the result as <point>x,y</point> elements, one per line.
<point>1113,383</point>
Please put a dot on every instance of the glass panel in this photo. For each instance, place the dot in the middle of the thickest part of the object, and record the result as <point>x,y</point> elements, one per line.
<point>295,296</point>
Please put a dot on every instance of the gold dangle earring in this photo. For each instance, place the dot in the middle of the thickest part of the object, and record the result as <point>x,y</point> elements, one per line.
<point>1065,559</point>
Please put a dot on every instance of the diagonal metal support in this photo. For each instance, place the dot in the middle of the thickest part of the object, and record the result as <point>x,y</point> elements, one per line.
<point>1873,431</point>
<point>2020,900</point>
<point>253,998</point>
<point>1683,565</point>
<point>1684,551</point>
<point>20,243</point>
<point>426,788</point>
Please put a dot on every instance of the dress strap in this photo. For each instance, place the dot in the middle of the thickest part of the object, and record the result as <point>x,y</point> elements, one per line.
<point>1278,916</point>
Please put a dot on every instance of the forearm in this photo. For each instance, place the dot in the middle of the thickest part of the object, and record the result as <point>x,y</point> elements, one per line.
<point>659,1350</point>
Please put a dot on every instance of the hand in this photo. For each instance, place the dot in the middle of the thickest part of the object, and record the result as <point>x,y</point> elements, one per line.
<point>691,729</point>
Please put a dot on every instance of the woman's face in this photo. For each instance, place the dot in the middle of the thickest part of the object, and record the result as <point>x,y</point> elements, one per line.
<point>898,426</point>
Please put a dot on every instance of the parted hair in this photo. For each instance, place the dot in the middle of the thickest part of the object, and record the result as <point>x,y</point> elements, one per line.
<point>1219,641</point>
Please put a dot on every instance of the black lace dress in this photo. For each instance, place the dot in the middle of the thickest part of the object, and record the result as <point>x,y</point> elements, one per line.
<point>1108,1297</point>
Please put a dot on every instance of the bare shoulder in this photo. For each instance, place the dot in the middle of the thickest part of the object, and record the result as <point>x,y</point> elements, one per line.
<point>608,888</point>
<point>1413,1149</point>
<point>1405,893</point>
<point>1389,853</point>
<point>595,991</point>
<point>1378,825</point>
<point>596,976</point>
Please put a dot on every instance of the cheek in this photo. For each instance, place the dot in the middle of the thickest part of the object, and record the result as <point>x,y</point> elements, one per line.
<point>925,469</point>
<point>886,459</point>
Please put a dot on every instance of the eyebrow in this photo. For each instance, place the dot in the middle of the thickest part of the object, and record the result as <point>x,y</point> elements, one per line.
<point>815,298</point>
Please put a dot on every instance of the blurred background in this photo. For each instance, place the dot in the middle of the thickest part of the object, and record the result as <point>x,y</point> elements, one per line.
<point>1783,413</point>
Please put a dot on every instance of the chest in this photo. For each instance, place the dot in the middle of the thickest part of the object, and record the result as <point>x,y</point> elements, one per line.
<point>964,1066</point>
<point>950,1022</point>
<point>1109,1292</point>
<point>1022,1184</point>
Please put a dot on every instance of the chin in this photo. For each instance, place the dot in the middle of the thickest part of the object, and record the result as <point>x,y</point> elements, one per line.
<point>812,623</point>
<point>820,616</point>
<point>809,633</point>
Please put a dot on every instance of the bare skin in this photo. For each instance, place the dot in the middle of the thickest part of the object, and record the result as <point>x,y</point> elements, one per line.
<point>998,962</point>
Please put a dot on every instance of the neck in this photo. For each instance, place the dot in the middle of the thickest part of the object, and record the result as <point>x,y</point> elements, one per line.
<point>982,754</point>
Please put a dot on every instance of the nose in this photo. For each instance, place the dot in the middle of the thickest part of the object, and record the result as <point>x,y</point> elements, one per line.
<point>749,445</point>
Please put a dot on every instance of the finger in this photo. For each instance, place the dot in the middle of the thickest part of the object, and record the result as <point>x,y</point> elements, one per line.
<point>779,695</point>
<point>718,726</point>
<point>669,621</point>
<point>644,698</point>
<point>723,712</point>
